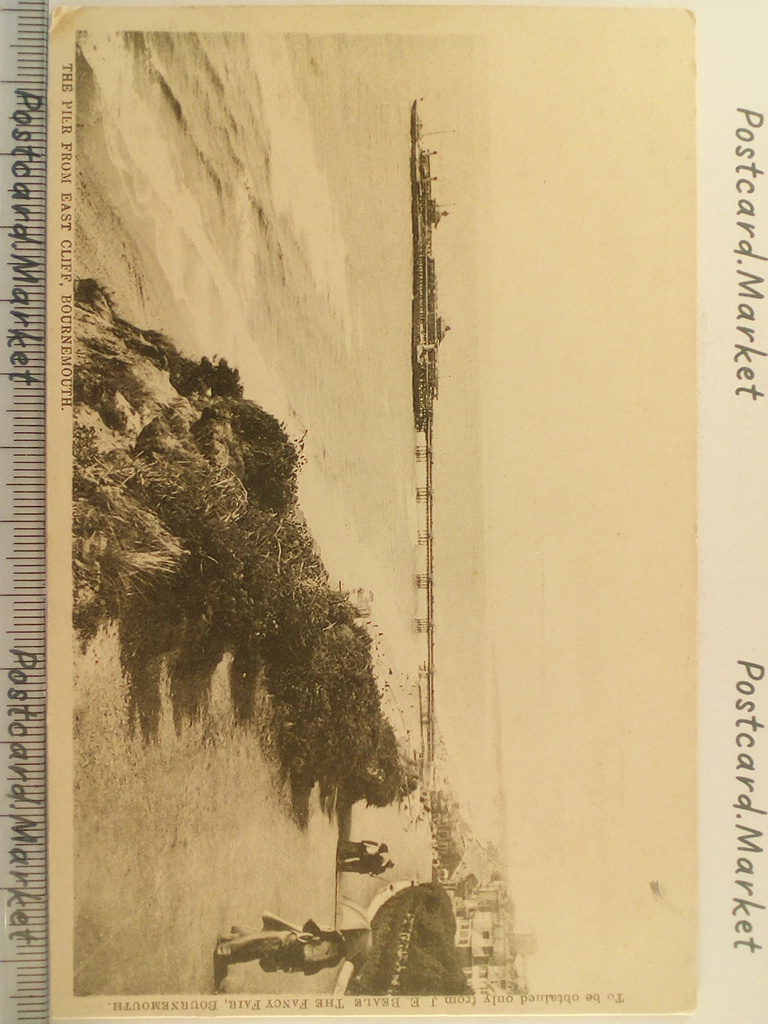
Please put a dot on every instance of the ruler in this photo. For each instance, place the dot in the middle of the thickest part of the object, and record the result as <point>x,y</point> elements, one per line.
<point>23,831</point>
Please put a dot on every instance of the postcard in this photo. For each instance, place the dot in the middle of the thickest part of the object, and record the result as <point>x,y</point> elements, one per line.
<point>372,528</point>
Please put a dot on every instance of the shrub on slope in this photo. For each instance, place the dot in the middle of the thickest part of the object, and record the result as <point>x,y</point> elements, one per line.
<point>187,533</point>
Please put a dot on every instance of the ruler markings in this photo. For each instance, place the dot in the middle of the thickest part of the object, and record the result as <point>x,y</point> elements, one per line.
<point>24,975</point>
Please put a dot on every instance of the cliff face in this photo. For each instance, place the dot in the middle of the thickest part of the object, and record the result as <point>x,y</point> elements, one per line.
<point>152,428</point>
<point>120,356</point>
<point>188,535</point>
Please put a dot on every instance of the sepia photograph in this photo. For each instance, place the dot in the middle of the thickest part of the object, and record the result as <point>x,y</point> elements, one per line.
<point>373,464</point>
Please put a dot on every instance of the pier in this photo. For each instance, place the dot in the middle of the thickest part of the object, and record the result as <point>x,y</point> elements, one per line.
<point>426,625</point>
<point>427,333</point>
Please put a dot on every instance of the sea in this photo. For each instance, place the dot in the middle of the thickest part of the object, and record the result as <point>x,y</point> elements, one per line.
<point>249,195</point>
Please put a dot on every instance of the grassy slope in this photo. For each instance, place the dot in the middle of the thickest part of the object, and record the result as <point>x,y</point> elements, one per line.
<point>216,671</point>
<point>188,535</point>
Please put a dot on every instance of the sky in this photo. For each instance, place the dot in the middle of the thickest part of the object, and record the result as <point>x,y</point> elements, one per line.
<point>565,477</point>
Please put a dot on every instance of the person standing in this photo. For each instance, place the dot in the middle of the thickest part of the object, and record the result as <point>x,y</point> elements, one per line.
<point>279,946</point>
<point>366,864</point>
<point>350,849</point>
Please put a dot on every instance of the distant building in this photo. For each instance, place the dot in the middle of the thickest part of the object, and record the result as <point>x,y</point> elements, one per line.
<point>448,833</point>
<point>490,952</point>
